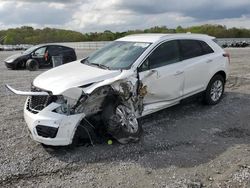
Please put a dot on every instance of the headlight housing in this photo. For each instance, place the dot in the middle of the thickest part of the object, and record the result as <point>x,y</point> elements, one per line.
<point>10,60</point>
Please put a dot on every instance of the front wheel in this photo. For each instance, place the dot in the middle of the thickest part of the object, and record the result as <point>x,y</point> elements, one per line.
<point>215,90</point>
<point>32,65</point>
<point>122,124</point>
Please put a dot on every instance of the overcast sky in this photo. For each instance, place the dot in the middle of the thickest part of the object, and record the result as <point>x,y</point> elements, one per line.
<point>121,15</point>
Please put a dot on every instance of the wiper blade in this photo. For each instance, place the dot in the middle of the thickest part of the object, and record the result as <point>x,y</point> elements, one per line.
<point>100,65</point>
<point>86,61</point>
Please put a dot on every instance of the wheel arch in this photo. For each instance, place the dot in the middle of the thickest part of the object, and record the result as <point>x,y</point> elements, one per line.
<point>222,73</point>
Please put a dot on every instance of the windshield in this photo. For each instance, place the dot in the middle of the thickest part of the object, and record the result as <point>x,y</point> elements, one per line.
<point>117,54</point>
<point>31,49</point>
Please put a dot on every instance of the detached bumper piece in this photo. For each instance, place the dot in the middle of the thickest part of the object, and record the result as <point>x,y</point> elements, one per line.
<point>26,93</point>
<point>46,132</point>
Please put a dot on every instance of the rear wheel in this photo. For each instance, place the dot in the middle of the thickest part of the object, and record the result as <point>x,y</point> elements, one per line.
<point>32,65</point>
<point>215,90</point>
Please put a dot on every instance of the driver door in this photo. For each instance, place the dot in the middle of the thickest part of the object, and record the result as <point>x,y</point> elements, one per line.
<point>39,55</point>
<point>162,74</point>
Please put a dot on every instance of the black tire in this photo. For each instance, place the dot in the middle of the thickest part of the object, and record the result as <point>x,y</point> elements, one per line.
<point>116,130</point>
<point>32,65</point>
<point>209,97</point>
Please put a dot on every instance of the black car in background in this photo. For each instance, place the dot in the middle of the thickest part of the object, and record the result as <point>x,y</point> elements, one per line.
<point>40,56</point>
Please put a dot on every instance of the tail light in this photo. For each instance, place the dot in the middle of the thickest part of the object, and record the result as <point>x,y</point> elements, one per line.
<point>228,56</point>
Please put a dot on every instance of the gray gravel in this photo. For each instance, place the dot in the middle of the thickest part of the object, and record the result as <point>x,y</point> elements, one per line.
<point>188,145</point>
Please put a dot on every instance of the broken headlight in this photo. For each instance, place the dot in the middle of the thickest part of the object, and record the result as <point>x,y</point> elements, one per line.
<point>64,107</point>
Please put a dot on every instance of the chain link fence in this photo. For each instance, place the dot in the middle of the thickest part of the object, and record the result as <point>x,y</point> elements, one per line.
<point>94,45</point>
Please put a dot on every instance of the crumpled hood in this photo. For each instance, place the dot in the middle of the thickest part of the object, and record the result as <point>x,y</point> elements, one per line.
<point>14,57</point>
<point>73,74</point>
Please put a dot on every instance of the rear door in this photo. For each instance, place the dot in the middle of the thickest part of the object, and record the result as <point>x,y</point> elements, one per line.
<point>196,60</point>
<point>162,73</point>
<point>66,53</point>
<point>69,54</point>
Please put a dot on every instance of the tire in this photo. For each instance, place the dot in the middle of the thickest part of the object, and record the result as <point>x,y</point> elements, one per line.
<point>123,132</point>
<point>32,65</point>
<point>215,90</point>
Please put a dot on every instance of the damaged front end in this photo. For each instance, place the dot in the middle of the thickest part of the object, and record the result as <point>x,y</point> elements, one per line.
<point>112,105</point>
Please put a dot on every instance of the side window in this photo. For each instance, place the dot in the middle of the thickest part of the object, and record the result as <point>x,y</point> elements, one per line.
<point>52,50</point>
<point>55,50</point>
<point>66,50</point>
<point>206,48</point>
<point>165,54</point>
<point>40,51</point>
<point>190,49</point>
<point>61,50</point>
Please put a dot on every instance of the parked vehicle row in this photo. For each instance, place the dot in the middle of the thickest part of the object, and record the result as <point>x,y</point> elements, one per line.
<point>241,44</point>
<point>127,79</point>
<point>14,47</point>
<point>40,56</point>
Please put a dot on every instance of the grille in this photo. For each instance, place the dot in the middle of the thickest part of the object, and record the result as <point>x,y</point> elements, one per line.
<point>46,132</point>
<point>38,103</point>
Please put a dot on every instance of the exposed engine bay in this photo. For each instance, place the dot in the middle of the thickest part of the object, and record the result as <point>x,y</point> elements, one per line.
<point>109,109</point>
<point>113,109</point>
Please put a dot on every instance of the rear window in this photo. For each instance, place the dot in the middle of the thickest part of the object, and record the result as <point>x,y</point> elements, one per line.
<point>190,49</point>
<point>194,48</point>
<point>206,48</point>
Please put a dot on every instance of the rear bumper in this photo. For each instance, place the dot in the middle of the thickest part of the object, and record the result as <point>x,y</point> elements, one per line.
<point>51,128</point>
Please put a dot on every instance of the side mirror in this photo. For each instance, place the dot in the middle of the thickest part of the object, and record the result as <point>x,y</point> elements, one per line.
<point>144,66</point>
<point>149,63</point>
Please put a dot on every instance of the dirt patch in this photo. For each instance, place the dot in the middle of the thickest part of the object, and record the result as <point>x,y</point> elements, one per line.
<point>234,133</point>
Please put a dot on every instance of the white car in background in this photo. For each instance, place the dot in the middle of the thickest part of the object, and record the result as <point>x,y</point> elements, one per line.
<point>129,78</point>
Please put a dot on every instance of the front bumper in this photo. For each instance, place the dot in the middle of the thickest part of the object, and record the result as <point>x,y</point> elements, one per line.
<point>57,129</point>
<point>11,65</point>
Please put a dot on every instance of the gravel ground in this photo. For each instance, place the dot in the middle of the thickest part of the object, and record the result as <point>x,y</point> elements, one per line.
<point>188,145</point>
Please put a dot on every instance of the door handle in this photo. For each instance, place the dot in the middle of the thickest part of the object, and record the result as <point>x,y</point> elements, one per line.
<point>209,61</point>
<point>178,73</point>
<point>152,71</point>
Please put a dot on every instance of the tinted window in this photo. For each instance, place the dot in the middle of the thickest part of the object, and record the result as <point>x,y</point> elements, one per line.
<point>67,51</point>
<point>206,48</point>
<point>166,53</point>
<point>190,49</point>
<point>52,50</point>
<point>55,50</point>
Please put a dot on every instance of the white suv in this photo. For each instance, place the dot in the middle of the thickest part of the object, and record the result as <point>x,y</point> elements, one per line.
<point>127,79</point>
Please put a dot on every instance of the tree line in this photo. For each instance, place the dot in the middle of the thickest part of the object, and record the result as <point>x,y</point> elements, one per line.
<point>29,35</point>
